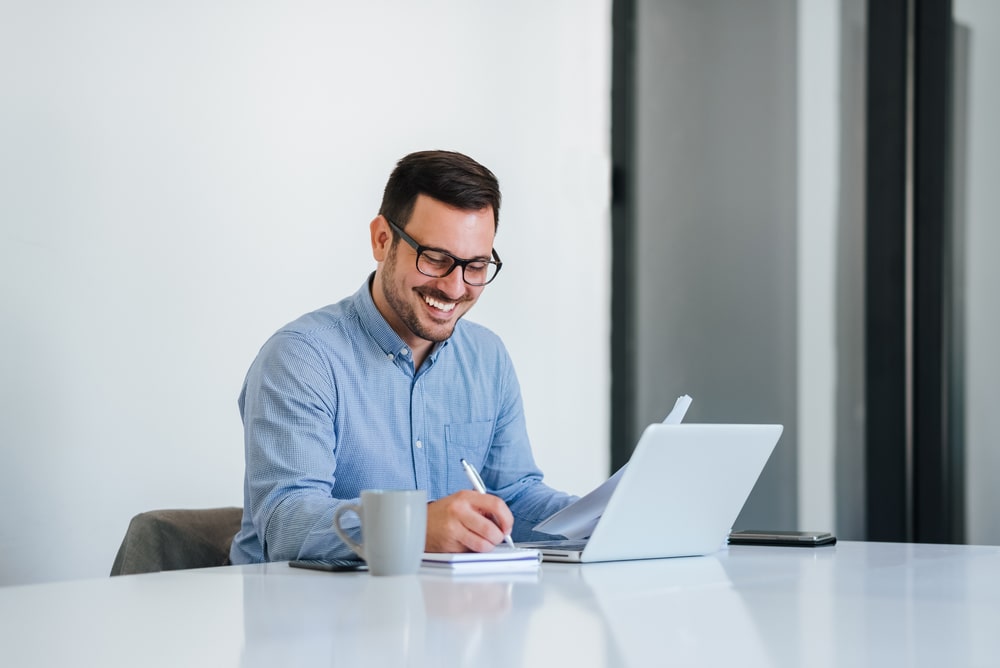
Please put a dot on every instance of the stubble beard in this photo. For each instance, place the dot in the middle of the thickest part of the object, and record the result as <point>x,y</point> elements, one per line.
<point>404,310</point>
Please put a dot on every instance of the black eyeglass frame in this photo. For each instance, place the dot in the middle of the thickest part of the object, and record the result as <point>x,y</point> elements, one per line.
<point>455,261</point>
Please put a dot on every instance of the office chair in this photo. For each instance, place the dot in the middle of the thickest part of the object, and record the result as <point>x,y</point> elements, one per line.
<point>170,540</point>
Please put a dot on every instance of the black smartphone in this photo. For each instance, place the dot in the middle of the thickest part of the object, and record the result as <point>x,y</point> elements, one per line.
<point>333,565</point>
<point>782,538</point>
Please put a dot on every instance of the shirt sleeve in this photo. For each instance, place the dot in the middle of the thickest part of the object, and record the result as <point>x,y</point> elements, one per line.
<point>288,406</point>
<point>510,471</point>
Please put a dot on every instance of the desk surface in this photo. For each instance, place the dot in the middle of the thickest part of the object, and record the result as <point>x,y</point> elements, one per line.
<point>855,604</point>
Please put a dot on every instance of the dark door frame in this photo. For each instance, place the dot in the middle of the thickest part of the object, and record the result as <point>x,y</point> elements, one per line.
<point>623,321</point>
<point>914,489</point>
<point>914,482</point>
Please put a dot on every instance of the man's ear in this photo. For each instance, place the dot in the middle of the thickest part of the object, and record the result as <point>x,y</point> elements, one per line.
<point>381,238</point>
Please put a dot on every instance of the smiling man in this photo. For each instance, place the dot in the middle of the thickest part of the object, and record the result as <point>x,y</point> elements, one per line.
<point>391,389</point>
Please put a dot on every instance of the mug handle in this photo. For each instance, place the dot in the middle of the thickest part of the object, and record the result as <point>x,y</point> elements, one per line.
<point>340,532</point>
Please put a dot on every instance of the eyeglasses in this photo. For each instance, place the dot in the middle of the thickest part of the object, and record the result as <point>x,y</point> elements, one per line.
<point>437,263</point>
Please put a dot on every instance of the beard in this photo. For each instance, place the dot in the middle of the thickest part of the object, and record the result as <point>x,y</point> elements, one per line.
<point>404,309</point>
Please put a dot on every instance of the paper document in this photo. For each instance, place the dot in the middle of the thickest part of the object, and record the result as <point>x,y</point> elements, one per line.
<point>679,410</point>
<point>577,520</point>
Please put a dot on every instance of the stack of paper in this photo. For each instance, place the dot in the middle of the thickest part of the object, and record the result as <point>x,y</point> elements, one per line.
<point>501,560</point>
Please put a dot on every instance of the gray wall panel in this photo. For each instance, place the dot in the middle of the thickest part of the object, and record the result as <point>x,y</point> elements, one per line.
<point>715,167</point>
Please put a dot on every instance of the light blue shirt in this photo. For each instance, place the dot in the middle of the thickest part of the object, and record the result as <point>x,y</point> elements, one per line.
<point>332,406</point>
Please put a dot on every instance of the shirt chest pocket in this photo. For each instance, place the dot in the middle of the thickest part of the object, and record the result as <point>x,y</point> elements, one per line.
<point>469,441</point>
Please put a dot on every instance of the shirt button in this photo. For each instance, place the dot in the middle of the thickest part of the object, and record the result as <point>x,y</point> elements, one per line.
<point>419,444</point>
<point>404,351</point>
<point>390,356</point>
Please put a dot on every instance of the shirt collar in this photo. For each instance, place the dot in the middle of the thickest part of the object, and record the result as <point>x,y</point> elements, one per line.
<point>380,330</point>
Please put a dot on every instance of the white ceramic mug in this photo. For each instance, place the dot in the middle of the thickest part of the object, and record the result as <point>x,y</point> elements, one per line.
<point>393,529</point>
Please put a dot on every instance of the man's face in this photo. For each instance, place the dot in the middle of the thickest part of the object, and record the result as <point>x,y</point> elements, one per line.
<point>421,309</point>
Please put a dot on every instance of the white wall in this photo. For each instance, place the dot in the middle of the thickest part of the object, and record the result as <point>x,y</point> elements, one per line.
<point>177,180</point>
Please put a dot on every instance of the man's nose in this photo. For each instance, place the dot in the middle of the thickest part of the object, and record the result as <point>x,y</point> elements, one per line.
<point>454,283</point>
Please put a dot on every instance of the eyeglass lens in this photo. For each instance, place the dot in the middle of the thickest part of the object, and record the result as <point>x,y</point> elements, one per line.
<point>436,264</point>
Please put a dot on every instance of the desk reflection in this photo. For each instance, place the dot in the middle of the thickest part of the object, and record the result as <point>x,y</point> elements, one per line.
<point>479,619</point>
<point>352,619</point>
<point>872,604</point>
<point>618,614</point>
<point>679,611</point>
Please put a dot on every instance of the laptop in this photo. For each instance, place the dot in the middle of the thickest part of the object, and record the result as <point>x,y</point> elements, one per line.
<point>679,495</point>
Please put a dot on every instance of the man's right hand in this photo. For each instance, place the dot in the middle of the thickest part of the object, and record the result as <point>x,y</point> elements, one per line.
<point>467,521</point>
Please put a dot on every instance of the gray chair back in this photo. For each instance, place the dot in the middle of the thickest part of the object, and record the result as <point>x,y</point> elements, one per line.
<point>170,540</point>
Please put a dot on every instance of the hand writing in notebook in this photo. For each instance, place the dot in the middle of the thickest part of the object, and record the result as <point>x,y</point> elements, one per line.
<point>477,483</point>
<point>467,521</point>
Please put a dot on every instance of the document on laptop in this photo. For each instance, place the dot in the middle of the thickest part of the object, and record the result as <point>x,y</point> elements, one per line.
<point>679,410</point>
<point>577,520</point>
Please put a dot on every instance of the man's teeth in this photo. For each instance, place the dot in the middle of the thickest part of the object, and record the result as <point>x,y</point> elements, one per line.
<point>444,306</point>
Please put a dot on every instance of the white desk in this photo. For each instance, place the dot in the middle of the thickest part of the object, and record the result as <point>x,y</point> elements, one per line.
<point>855,604</point>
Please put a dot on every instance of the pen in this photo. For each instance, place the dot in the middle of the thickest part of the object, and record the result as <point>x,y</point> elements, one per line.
<point>473,475</point>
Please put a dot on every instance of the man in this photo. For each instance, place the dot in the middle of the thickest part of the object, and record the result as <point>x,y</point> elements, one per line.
<point>390,389</point>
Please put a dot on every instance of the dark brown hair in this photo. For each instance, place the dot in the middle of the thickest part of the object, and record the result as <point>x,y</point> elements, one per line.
<point>447,176</point>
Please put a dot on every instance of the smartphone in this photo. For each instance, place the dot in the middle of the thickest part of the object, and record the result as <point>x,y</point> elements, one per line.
<point>782,538</point>
<point>333,565</point>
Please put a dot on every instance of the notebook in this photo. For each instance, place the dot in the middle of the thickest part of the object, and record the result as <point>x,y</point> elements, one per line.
<point>678,496</point>
<point>501,560</point>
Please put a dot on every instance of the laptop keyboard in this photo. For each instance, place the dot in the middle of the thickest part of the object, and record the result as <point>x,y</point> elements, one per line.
<point>570,545</point>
